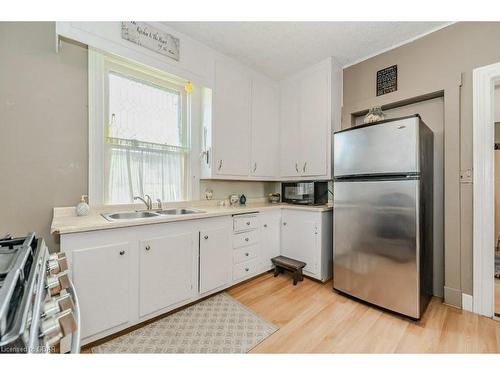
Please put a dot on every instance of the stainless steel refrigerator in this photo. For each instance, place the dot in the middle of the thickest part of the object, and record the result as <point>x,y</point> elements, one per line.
<point>383,211</point>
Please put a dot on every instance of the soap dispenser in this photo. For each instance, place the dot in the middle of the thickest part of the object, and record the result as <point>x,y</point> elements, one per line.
<point>82,209</point>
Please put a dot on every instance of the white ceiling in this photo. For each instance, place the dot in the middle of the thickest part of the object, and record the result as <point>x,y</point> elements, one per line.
<point>280,48</point>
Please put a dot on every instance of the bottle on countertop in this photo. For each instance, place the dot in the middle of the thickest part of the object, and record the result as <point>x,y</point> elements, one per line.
<point>82,209</point>
<point>243,199</point>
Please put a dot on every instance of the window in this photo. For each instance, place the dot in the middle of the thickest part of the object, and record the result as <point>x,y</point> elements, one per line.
<point>146,148</point>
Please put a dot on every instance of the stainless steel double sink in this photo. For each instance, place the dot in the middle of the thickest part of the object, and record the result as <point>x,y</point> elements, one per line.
<point>133,215</point>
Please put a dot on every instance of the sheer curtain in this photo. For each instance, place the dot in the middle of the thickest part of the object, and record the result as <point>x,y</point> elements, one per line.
<point>145,145</point>
<point>139,171</point>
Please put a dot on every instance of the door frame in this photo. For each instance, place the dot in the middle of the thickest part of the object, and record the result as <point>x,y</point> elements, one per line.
<point>484,79</point>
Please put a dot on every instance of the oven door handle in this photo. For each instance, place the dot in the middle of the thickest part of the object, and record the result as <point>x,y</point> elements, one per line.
<point>75,336</point>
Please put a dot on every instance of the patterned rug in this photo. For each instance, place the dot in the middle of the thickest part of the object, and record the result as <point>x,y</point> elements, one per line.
<point>219,324</point>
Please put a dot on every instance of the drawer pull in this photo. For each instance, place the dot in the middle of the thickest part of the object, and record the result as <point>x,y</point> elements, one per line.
<point>248,223</point>
<point>247,254</point>
<point>122,252</point>
<point>247,239</point>
<point>265,225</point>
<point>148,247</point>
<point>206,237</point>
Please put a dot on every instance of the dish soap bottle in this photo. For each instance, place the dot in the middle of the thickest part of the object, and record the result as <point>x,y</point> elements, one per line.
<point>82,209</point>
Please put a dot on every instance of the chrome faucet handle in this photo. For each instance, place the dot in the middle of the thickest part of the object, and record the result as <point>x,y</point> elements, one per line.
<point>149,201</point>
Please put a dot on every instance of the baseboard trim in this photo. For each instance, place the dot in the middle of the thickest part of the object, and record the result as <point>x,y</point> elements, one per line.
<point>453,296</point>
<point>467,302</point>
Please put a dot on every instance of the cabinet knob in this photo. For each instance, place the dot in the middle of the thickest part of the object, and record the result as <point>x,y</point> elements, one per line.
<point>248,223</point>
<point>284,223</point>
<point>247,254</point>
<point>148,247</point>
<point>205,237</point>
<point>122,252</point>
<point>247,239</point>
<point>246,269</point>
<point>265,225</point>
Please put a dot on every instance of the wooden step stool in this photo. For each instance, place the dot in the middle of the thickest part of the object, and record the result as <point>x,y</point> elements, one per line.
<point>282,263</point>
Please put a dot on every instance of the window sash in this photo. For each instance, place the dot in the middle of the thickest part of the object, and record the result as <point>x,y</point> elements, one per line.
<point>132,158</point>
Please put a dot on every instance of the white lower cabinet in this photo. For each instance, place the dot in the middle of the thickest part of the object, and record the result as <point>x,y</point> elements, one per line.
<point>166,272</point>
<point>124,276</point>
<point>215,258</point>
<point>306,236</point>
<point>101,274</point>
<point>270,227</point>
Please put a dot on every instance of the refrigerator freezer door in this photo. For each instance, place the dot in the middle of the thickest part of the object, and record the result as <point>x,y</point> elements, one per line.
<point>375,242</point>
<point>386,148</point>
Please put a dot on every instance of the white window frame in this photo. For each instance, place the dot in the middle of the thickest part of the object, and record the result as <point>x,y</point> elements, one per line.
<point>99,65</point>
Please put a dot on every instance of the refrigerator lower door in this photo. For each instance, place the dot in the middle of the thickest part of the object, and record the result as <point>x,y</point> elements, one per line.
<point>376,242</point>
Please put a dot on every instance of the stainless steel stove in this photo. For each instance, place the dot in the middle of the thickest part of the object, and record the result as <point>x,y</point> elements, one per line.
<point>39,311</point>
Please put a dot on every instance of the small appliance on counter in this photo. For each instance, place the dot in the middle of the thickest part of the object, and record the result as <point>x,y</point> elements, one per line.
<point>274,197</point>
<point>311,193</point>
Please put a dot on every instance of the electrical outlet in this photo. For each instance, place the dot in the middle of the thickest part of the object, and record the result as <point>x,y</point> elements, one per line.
<point>466,176</point>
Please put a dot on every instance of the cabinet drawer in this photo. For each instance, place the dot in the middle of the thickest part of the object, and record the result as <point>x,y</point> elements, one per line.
<point>245,222</point>
<point>246,269</point>
<point>245,253</point>
<point>245,239</point>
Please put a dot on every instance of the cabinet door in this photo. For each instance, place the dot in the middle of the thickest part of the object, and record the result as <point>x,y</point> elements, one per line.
<point>270,238</point>
<point>314,120</point>
<point>290,154</point>
<point>231,126</point>
<point>215,258</point>
<point>299,239</point>
<point>166,271</point>
<point>101,277</point>
<point>265,129</point>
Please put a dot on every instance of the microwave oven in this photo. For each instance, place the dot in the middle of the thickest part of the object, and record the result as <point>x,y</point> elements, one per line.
<point>305,192</point>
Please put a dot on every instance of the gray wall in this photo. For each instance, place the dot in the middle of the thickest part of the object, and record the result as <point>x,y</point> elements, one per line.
<point>43,126</point>
<point>442,61</point>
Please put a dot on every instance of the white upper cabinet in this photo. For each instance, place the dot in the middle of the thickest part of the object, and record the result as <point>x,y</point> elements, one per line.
<point>264,129</point>
<point>289,130</point>
<point>314,121</point>
<point>231,122</point>
<point>310,110</point>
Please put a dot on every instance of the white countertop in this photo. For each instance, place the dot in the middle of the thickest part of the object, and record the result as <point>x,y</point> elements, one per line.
<point>65,220</point>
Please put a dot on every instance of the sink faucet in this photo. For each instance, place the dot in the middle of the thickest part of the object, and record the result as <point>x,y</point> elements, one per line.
<point>147,201</point>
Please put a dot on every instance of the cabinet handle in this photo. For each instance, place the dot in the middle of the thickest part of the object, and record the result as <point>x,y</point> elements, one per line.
<point>265,225</point>
<point>284,223</point>
<point>247,254</point>
<point>247,239</point>
<point>148,247</point>
<point>304,167</point>
<point>122,252</point>
<point>297,167</point>
<point>246,269</point>
<point>205,237</point>
<point>248,223</point>
<point>220,164</point>
<point>254,167</point>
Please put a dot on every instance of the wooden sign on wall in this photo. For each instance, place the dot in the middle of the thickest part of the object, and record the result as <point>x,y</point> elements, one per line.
<point>151,38</point>
<point>387,80</point>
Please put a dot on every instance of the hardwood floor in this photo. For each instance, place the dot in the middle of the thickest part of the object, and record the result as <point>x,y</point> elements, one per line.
<point>314,319</point>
